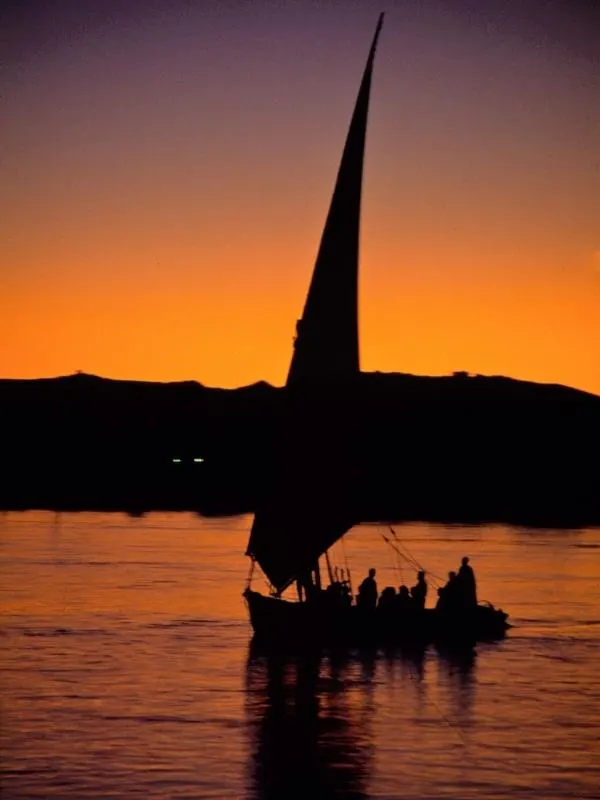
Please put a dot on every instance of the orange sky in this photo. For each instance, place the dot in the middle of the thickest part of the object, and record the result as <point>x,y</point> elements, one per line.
<point>164,191</point>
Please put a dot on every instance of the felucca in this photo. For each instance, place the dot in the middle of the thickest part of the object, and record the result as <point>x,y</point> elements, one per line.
<point>310,500</point>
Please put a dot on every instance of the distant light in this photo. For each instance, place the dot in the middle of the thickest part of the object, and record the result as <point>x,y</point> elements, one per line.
<point>198,460</point>
<point>176,460</point>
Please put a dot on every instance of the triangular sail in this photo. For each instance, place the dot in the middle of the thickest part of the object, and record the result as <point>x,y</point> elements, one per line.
<point>313,485</point>
<point>326,343</point>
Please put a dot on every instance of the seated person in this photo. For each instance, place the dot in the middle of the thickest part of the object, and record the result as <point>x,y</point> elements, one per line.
<point>419,590</point>
<point>386,601</point>
<point>403,599</point>
<point>447,594</point>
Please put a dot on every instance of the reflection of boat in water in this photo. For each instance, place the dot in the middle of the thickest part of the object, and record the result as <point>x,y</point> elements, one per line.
<point>312,718</point>
<point>309,720</point>
<point>310,502</point>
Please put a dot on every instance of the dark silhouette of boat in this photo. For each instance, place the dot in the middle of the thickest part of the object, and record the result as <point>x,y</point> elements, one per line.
<point>310,498</point>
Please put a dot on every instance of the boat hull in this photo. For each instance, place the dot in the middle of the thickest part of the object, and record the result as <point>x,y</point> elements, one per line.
<point>280,621</point>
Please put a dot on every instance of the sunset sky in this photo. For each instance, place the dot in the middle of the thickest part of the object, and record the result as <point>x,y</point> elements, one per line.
<point>167,167</point>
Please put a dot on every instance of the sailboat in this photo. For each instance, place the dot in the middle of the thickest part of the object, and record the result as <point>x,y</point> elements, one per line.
<point>310,498</point>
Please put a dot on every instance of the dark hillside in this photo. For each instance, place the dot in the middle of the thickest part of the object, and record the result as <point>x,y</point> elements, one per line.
<point>454,448</point>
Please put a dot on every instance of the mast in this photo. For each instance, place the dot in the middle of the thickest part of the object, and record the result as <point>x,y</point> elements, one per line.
<point>313,485</point>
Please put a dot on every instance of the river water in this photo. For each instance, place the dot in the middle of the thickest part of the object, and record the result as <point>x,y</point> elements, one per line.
<point>127,671</point>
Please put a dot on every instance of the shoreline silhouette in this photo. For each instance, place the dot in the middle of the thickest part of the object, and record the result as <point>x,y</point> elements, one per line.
<point>456,449</point>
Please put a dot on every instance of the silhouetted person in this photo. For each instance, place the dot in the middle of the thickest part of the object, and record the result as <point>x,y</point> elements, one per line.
<point>337,595</point>
<point>465,583</point>
<point>367,591</point>
<point>419,590</point>
<point>386,601</point>
<point>448,594</point>
<point>403,600</point>
<point>346,594</point>
<point>332,593</point>
<point>439,606</point>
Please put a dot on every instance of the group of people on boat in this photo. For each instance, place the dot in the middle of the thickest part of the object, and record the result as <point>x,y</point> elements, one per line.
<point>460,591</point>
<point>458,594</point>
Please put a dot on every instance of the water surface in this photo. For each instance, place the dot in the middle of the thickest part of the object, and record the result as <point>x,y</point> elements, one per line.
<point>127,670</point>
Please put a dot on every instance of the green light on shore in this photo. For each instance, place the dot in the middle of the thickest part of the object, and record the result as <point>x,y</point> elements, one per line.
<point>176,460</point>
<point>198,460</point>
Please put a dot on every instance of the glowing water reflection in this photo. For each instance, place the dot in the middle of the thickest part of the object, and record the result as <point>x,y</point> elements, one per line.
<point>127,671</point>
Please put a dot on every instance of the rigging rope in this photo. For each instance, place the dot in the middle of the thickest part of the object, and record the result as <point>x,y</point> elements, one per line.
<point>399,552</point>
<point>399,547</point>
<point>437,578</point>
<point>392,562</point>
<point>399,566</point>
<point>345,555</point>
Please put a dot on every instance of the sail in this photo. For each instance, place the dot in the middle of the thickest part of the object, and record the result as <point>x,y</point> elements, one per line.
<point>326,342</point>
<point>313,485</point>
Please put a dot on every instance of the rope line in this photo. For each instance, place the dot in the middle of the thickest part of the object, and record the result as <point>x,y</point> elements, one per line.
<point>403,552</point>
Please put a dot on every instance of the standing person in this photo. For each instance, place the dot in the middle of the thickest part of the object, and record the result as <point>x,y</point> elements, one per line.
<point>466,586</point>
<point>367,591</point>
<point>419,590</point>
